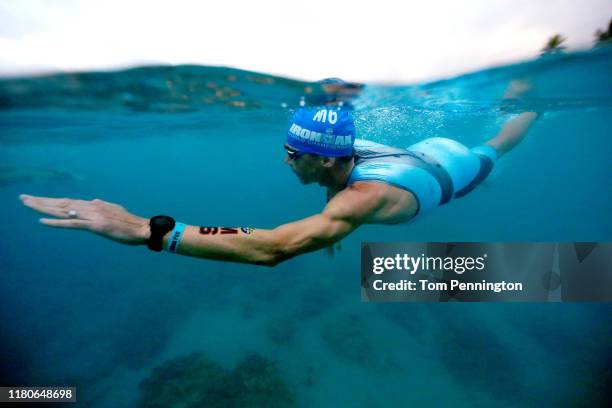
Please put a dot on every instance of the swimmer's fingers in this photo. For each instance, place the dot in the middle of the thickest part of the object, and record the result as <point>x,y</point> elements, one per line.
<point>54,211</point>
<point>57,207</point>
<point>49,202</point>
<point>71,223</point>
<point>106,219</point>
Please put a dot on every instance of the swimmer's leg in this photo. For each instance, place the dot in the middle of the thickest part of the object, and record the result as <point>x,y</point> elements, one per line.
<point>508,137</point>
<point>512,133</point>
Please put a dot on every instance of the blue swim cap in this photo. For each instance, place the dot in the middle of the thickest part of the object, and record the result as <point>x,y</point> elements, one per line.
<point>335,81</point>
<point>321,131</point>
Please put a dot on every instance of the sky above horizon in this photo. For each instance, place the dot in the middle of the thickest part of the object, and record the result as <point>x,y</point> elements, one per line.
<point>381,41</point>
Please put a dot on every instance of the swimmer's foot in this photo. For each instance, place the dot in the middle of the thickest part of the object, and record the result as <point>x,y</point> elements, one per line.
<point>516,88</point>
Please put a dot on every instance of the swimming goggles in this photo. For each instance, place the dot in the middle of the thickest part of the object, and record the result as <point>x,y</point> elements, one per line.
<point>292,153</point>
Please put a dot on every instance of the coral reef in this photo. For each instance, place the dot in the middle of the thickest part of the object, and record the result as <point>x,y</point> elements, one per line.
<point>195,381</point>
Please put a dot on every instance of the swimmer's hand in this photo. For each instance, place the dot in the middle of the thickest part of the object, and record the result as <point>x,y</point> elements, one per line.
<point>100,217</point>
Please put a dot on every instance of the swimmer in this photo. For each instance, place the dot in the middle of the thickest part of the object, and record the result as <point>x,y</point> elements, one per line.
<point>367,183</point>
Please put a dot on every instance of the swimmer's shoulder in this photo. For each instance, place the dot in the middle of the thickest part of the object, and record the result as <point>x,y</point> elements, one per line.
<point>390,204</point>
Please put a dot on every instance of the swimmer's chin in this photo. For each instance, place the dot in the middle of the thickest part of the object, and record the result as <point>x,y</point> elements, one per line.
<point>303,181</point>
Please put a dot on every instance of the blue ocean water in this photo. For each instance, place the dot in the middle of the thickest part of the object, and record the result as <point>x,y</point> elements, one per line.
<point>206,146</point>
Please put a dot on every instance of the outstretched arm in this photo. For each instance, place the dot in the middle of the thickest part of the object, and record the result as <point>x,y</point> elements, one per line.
<point>266,246</point>
<point>342,215</point>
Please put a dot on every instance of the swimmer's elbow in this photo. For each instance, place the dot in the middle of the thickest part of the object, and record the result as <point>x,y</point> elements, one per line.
<point>287,250</point>
<point>268,261</point>
<point>276,253</point>
<point>315,233</point>
<point>283,248</point>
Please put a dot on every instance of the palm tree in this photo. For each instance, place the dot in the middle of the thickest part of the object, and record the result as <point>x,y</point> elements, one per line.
<point>603,37</point>
<point>554,45</point>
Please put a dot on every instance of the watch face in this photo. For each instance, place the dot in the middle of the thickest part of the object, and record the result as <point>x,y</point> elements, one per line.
<point>160,225</point>
<point>162,222</point>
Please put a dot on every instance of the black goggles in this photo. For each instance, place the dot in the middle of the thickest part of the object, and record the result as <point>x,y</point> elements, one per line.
<point>293,154</point>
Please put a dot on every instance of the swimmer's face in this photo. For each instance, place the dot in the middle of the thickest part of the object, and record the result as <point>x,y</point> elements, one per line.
<point>349,90</point>
<point>307,167</point>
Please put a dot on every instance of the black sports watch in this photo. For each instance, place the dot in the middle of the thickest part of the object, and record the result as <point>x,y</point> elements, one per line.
<point>160,226</point>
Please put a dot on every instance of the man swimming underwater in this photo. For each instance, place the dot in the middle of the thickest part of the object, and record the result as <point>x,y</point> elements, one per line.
<point>367,183</point>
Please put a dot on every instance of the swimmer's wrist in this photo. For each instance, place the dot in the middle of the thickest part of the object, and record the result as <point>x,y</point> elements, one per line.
<point>143,232</point>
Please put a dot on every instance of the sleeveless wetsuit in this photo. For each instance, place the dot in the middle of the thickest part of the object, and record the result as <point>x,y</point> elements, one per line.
<point>434,170</point>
